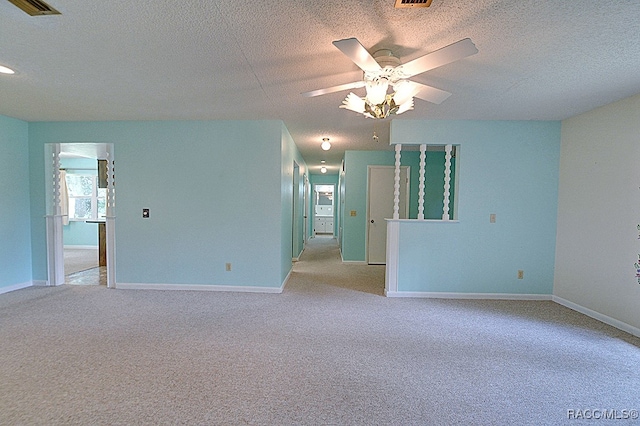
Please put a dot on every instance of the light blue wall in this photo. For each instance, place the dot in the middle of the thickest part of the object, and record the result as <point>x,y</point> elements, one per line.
<point>78,233</point>
<point>201,180</point>
<point>15,243</point>
<point>355,187</point>
<point>506,168</point>
<point>354,228</point>
<point>292,240</point>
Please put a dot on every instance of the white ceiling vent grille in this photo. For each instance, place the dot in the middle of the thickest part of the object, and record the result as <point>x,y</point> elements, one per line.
<point>412,3</point>
<point>35,7</point>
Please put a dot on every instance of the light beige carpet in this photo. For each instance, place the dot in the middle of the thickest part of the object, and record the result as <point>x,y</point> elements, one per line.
<point>330,350</point>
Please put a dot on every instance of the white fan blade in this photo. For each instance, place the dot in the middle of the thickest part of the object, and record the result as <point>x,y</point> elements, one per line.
<point>354,85</point>
<point>358,54</point>
<point>430,94</point>
<point>453,52</point>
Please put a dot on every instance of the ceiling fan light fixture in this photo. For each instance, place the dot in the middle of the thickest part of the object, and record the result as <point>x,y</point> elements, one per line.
<point>377,91</point>
<point>405,91</point>
<point>405,106</point>
<point>353,103</point>
<point>6,70</point>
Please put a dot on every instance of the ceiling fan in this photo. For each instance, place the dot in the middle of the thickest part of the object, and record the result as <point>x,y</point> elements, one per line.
<point>382,70</point>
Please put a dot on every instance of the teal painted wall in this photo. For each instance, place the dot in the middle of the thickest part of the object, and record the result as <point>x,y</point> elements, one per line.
<point>354,228</point>
<point>508,168</point>
<point>201,180</point>
<point>15,233</point>
<point>355,188</point>
<point>292,233</point>
<point>78,233</point>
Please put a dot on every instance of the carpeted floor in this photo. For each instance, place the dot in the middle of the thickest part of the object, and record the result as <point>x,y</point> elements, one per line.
<point>330,350</point>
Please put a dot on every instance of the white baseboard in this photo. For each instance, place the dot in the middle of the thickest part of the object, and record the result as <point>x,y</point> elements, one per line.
<point>15,287</point>
<point>81,247</point>
<point>352,262</point>
<point>198,287</point>
<point>597,315</point>
<point>40,283</point>
<point>488,296</point>
<point>286,280</point>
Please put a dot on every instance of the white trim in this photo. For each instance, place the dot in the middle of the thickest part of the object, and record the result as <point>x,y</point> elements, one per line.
<point>488,296</point>
<point>393,257</point>
<point>15,287</point>
<point>286,280</point>
<point>353,262</point>
<point>598,316</point>
<point>67,246</point>
<point>423,220</point>
<point>199,287</point>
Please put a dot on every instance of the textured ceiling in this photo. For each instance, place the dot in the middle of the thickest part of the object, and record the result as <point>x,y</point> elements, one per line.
<point>224,59</point>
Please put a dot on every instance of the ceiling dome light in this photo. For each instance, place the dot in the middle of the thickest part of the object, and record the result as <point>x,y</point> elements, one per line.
<point>6,70</point>
<point>323,169</point>
<point>325,144</point>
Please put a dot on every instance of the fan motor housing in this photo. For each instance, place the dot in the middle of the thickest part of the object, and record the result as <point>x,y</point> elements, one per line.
<point>385,58</point>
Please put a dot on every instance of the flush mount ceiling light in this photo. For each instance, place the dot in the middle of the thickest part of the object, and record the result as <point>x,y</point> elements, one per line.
<point>6,70</point>
<point>383,71</point>
<point>325,144</point>
<point>323,169</point>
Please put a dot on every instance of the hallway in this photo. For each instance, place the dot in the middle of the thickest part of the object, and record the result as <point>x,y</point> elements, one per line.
<point>321,267</point>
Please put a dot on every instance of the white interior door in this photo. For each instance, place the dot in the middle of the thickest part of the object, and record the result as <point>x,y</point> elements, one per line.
<point>380,207</point>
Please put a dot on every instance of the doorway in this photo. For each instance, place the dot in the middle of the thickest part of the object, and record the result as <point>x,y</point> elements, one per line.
<point>305,216</point>
<point>323,210</point>
<point>380,203</point>
<point>86,206</point>
<point>296,238</point>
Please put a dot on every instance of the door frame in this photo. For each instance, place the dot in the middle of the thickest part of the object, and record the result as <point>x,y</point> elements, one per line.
<point>314,204</point>
<point>54,217</point>
<point>305,214</point>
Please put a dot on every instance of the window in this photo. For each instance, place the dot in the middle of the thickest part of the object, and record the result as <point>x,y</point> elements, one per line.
<point>86,200</point>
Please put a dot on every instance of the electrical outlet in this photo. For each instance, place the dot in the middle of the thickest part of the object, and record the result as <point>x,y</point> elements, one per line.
<point>353,213</point>
<point>227,267</point>
<point>492,218</point>
<point>520,274</point>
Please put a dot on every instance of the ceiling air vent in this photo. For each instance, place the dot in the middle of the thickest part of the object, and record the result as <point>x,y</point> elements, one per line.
<point>412,3</point>
<point>35,7</point>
